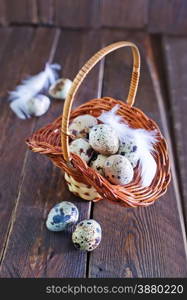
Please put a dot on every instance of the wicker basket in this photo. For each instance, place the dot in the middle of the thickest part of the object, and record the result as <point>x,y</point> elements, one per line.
<point>83,181</point>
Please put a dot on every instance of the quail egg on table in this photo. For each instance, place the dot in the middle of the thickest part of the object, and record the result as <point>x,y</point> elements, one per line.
<point>97,163</point>
<point>87,235</point>
<point>103,139</point>
<point>128,148</point>
<point>60,88</point>
<point>82,148</point>
<point>61,216</point>
<point>81,125</point>
<point>38,105</point>
<point>118,169</point>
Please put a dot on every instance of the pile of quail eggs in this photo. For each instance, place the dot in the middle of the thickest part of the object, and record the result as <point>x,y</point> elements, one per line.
<point>99,145</point>
<point>87,234</point>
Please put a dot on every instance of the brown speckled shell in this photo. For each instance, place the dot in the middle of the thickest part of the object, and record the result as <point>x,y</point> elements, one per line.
<point>52,140</point>
<point>47,141</point>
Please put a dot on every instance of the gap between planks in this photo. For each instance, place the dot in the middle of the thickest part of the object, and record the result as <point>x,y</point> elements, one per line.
<point>152,64</point>
<point>13,215</point>
<point>158,91</point>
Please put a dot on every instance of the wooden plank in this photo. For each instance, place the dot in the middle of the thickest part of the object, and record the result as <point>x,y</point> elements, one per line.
<point>169,16</point>
<point>144,242</point>
<point>124,13</point>
<point>46,9</point>
<point>21,11</point>
<point>77,14</point>
<point>10,60</point>
<point>41,253</point>
<point>3,20</point>
<point>29,57</point>
<point>4,36</point>
<point>174,49</point>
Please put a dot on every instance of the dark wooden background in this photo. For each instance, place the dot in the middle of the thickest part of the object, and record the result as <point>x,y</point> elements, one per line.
<point>157,16</point>
<point>147,242</point>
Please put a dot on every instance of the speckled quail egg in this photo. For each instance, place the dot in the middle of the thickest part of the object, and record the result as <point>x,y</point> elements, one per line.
<point>87,235</point>
<point>81,125</point>
<point>103,139</point>
<point>62,215</point>
<point>128,148</point>
<point>97,163</point>
<point>118,169</point>
<point>82,148</point>
<point>60,88</point>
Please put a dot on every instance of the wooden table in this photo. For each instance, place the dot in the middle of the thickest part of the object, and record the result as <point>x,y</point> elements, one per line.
<point>145,242</point>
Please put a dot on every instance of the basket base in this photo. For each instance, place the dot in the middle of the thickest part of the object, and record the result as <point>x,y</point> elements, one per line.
<point>84,191</point>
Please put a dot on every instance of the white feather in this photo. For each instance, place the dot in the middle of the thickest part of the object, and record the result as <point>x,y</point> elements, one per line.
<point>148,168</point>
<point>143,139</point>
<point>30,88</point>
<point>17,107</point>
<point>36,106</point>
<point>115,121</point>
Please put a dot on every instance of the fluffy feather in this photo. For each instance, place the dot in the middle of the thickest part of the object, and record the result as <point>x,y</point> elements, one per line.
<point>115,121</point>
<point>148,168</point>
<point>20,109</point>
<point>143,139</point>
<point>36,106</point>
<point>30,88</point>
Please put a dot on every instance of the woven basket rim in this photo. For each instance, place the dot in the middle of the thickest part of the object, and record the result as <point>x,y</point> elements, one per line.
<point>46,142</point>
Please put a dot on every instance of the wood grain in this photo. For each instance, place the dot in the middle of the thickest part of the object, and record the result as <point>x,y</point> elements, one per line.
<point>21,11</point>
<point>11,66</point>
<point>158,16</point>
<point>77,14</point>
<point>174,49</point>
<point>169,16</point>
<point>28,57</point>
<point>46,9</point>
<point>137,242</point>
<point>41,253</point>
<point>124,13</point>
<point>5,33</point>
<point>3,20</point>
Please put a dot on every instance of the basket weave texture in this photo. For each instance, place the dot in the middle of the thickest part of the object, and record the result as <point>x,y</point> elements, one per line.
<point>53,141</point>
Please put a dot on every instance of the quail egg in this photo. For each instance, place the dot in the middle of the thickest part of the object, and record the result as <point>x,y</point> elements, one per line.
<point>118,169</point>
<point>87,235</point>
<point>81,125</point>
<point>103,139</point>
<point>38,105</point>
<point>128,148</point>
<point>97,163</point>
<point>60,88</point>
<point>62,215</point>
<point>82,148</point>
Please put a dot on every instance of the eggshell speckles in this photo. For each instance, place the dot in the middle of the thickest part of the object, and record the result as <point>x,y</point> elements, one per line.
<point>128,148</point>
<point>82,148</point>
<point>118,170</point>
<point>60,88</point>
<point>87,235</point>
<point>103,139</point>
<point>81,125</point>
<point>97,163</point>
<point>62,215</point>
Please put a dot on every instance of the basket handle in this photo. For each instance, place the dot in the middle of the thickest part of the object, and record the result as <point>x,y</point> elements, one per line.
<point>83,73</point>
